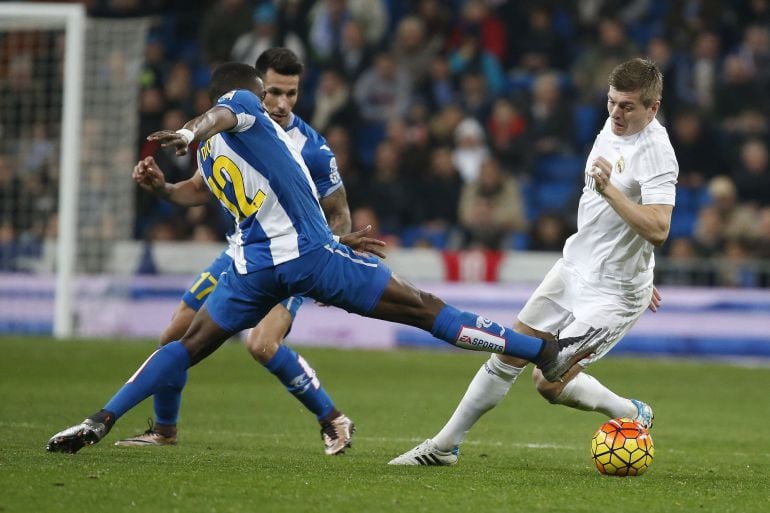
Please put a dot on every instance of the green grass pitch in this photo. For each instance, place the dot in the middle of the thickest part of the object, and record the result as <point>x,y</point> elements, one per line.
<point>247,446</point>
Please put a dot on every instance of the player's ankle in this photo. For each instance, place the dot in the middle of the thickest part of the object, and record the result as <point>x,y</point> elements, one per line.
<point>105,417</point>
<point>167,430</point>
<point>330,416</point>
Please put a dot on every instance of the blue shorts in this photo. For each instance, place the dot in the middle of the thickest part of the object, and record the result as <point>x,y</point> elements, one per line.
<point>204,285</point>
<point>333,274</point>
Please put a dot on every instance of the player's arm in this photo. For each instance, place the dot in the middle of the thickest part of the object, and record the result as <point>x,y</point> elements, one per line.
<point>188,193</point>
<point>215,120</point>
<point>650,221</point>
<point>335,207</point>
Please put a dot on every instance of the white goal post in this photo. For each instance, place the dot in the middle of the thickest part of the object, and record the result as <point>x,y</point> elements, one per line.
<point>71,18</point>
<point>69,126</point>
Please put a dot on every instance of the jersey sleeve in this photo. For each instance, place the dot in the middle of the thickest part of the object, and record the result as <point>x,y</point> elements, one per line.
<point>658,175</point>
<point>322,164</point>
<point>244,104</point>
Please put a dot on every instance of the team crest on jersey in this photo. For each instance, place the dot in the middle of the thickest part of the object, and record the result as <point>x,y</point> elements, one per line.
<point>620,165</point>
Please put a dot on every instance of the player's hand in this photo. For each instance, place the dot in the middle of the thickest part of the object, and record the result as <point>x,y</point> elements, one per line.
<point>601,171</point>
<point>656,300</point>
<point>367,245</point>
<point>170,138</point>
<point>148,175</point>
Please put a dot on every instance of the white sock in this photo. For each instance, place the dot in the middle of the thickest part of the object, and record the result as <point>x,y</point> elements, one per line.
<point>486,390</point>
<point>584,392</point>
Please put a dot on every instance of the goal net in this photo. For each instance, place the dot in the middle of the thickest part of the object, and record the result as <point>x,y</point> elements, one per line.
<point>69,89</point>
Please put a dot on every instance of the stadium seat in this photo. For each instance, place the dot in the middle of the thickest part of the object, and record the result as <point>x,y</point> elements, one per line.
<point>563,168</point>
<point>368,137</point>
<point>586,124</point>
<point>555,195</point>
<point>414,234</point>
<point>682,223</point>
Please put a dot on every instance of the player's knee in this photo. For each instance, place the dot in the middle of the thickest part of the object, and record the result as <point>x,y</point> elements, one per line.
<point>261,345</point>
<point>549,391</point>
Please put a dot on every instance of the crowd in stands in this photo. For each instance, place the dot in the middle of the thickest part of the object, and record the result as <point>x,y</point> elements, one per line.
<point>466,123</point>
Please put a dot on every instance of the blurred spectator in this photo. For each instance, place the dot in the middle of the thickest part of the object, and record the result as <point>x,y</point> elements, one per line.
<point>382,92</point>
<point>388,192</point>
<point>411,142</point>
<point>549,232</point>
<point>475,97</point>
<point>593,65</point>
<point>152,103</point>
<point>491,208</point>
<point>737,220</point>
<point>697,150</point>
<point>154,63</point>
<point>443,125</point>
<point>413,51</point>
<point>354,55</point>
<point>698,72</point>
<point>222,24</point>
<point>264,35</point>
<point>439,89</point>
<point>507,135</point>
<point>755,52</point>
<point>150,209</point>
<point>333,104</point>
<point>539,47</point>
<point>436,19</point>
<point>550,117</point>
<point>37,152</point>
<point>659,50</point>
<point>338,139</point>
<point>471,57</point>
<point>364,216</point>
<point>686,19</point>
<point>681,266</point>
<point>736,269</point>
<point>477,21</point>
<point>739,101</point>
<point>470,149</point>
<point>328,17</point>
<point>439,192</point>
<point>292,21</point>
<point>761,241</point>
<point>178,88</point>
<point>753,177</point>
<point>709,232</point>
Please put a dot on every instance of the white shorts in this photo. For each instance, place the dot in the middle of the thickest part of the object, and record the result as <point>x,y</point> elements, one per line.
<point>565,304</point>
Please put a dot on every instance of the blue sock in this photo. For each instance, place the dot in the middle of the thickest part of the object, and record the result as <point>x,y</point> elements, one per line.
<point>168,401</point>
<point>470,331</point>
<point>160,370</point>
<point>299,378</point>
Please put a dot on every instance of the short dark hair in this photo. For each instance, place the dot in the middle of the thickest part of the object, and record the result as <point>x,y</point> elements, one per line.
<point>640,75</point>
<point>282,60</point>
<point>229,76</point>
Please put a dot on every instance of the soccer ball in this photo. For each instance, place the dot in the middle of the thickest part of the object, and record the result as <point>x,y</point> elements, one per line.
<point>622,447</point>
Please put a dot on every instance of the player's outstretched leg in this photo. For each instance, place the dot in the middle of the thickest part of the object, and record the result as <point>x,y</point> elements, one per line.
<point>554,357</point>
<point>584,392</point>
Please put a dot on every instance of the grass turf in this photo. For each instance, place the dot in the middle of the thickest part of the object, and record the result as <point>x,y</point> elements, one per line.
<point>246,445</point>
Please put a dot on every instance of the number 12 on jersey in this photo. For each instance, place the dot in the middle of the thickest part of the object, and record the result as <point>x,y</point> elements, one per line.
<point>222,169</point>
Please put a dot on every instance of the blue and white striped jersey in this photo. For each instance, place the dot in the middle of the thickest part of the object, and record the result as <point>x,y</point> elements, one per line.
<point>260,178</point>
<point>317,156</point>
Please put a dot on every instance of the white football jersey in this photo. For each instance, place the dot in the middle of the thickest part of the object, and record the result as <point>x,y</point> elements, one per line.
<point>606,251</point>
